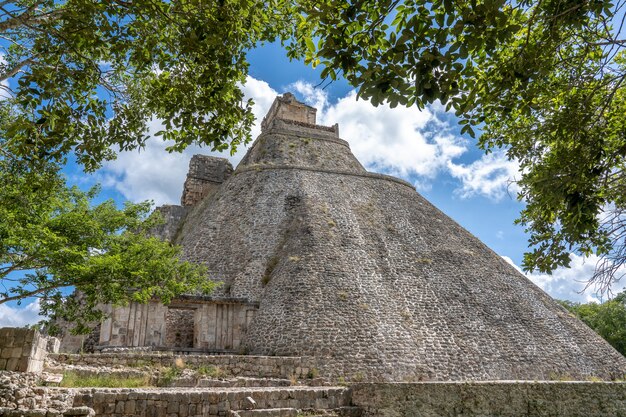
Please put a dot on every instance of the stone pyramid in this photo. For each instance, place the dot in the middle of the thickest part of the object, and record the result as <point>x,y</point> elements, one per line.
<point>359,272</point>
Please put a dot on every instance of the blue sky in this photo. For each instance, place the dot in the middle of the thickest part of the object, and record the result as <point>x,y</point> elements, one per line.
<point>422,147</point>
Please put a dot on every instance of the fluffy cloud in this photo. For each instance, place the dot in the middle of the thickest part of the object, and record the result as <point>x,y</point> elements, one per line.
<point>413,144</point>
<point>492,176</point>
<point>405,142</point>
<point>154,174</point>
<point>569,283</point>
<point>19,316</point>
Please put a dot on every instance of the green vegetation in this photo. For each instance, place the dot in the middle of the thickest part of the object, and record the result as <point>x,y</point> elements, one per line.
<point>607,319</point>
<point>86,77</point>
<point>53,238</point>
<point>543,80</point>
<point>211,371</point>
<point>168,375</point>
<point>73,379</point>
<point>313,373</point>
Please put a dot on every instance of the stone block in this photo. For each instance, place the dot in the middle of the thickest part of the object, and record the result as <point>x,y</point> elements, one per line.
<point>6,353</point>
<point>17,352</point>
<point>129,407</point>
<point>79,411</point>
<point>53,344</point>
<point>12,364</point>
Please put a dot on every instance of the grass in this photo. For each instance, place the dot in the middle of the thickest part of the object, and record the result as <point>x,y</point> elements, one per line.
<point>169,375</point>
<point>211,371</point>
<point>74,380</point>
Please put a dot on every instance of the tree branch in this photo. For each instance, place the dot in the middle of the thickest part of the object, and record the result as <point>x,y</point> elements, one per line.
<point>27,19</point>
<point>32,293</point>
<point>16,69</point>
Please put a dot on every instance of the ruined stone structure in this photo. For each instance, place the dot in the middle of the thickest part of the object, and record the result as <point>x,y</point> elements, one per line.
<point>189,323</point>
<point>24,350</point>
<point>356,271</point>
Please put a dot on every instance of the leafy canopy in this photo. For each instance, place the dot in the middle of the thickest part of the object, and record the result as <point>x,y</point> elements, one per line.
<point>54,238</point>
<point>87,76</point>
<point>607,319</point>
<point>542,79</point>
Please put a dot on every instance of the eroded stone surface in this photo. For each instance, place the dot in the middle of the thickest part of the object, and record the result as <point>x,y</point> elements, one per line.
<point>23,350</point>
<point>205,175</point>
<point>502,399</point>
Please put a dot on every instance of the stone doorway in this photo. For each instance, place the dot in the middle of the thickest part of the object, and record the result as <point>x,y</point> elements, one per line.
<point>179,327</point>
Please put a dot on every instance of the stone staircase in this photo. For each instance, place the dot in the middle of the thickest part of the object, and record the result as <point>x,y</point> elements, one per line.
<point>279,388</point>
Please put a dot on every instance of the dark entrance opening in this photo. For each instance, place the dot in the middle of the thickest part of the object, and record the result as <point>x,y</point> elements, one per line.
<point>179,327</point>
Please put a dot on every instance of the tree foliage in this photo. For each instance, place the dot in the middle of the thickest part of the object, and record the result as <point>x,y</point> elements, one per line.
<point>542,79</point>
<point>607,319</point>
<point>54,238</point>
<point>87,76</point>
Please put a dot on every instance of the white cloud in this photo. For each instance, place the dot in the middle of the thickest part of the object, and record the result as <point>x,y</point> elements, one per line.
<point>154,174</point>
<point>19,316</point>
<point>404,142</point>
<point>409,143</point>
<point>492,176</point>
<point>568,283</point>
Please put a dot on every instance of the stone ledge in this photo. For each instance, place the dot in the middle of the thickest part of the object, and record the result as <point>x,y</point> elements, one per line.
<point>492,398</point>
<point>207,402</point>
<point>259,167</point>
<point>315,132</point>
<point>233,365</point>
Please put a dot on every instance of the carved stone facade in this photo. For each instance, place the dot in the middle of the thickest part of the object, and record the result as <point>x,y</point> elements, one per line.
<point>189,323</point>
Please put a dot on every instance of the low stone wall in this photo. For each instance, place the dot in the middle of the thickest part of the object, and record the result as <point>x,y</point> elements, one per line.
<point>20,390</point>
<point>190,402</point>
<point>502,399</point>
<point>22,350</point>
<point>233,365</point>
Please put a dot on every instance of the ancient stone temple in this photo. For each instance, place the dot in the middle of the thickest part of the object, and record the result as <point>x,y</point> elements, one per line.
<point>322,259</point>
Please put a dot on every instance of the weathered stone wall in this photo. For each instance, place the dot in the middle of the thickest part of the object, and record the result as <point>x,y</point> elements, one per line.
<point>134,325</point>
<point>204,323</point>
<point>22,350</point>
<point>203,402</point>
<point>20,390</point>
<point>234,365</point>
<point>172,219</point>
<point>287,144</point>
<point>71,343</point>
<point>206,173</point>
<point>502,399</point>
<point>288,108</point>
